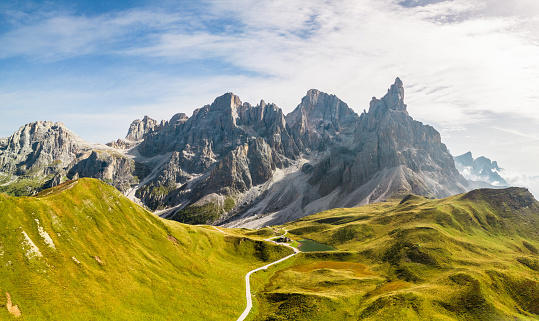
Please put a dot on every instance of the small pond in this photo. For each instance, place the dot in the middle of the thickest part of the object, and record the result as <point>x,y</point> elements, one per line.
<point>312,246</point>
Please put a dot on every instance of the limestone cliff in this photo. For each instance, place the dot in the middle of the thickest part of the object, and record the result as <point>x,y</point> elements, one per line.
<point>49,153</point>
<point>242,165</point>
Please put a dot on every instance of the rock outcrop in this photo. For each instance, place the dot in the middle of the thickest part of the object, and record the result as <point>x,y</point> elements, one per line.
<point>388,138</point>
<point>39,148</point>
<point>320,120</point>
<point>226,147</point>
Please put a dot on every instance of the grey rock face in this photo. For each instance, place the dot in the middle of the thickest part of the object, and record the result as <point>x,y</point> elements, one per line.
<point>139,128</point>
<point>319,119</point>
<point>3,142</point>
<point>385,138</point>
<point>465,159</point>
<point>122,144</point>
<point>268,121</point>
<point>39,148</point>
<point>46,151</point>
<point>111,168</point>
<point>382,153</point>
<point>233,145</point>
<point>211,130</point>
<point>169,178</point>
<point>58,179</point>
<point>326,156</point>
<point>247,165</point>
<point>388,137</point>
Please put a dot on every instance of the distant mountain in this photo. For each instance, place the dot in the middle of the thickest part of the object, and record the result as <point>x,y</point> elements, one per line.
<point>139,128</point>
<point>43,154</point>
<point>246,165</point>
<point>242,165</point>
<point>480,170</point>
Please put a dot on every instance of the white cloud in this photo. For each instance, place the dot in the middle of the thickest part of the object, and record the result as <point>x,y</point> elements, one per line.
<point>520,179</point>
<point>53,36</point>
<point>356,49</point>
<point>520,8</point>
<point>464,63</point>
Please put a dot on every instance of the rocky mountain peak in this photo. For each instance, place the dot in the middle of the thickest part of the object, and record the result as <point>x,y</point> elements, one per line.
<point>318,108</point>
<point>465,159</point>
<point>393,100</point>
<point>38,131</point>
<point>3,142</point>
<point>318,118</point>
<point>44,150</point>
<point>226,102</point>
<point>388,139</point>
<point>321,155</point>
<point>139,128</point>
<point>395,96</point>
<point>311,96</point>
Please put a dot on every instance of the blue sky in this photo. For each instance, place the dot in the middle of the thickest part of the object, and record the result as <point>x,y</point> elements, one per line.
<point>470,67</point>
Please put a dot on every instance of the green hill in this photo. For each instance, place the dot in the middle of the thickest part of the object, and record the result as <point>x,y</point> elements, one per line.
<point>83,251</point>
<point>473,256</point>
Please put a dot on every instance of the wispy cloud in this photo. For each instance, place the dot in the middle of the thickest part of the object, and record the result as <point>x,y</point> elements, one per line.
<point>57,35</point>
<point>464,63</point>
<point>518,133</point>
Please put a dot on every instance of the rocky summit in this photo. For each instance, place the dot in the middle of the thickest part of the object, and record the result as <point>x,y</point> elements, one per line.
<point>236,164</point>
<point>44,154</point>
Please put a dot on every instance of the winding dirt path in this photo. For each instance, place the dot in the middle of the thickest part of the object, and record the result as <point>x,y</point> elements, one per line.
<point>248,283</point>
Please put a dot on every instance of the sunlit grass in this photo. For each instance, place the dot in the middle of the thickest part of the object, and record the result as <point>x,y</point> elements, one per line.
<point>115,261</point>
<point>471,257</point>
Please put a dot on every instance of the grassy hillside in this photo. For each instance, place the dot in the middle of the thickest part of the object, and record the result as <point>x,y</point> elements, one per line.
<point>468,257</point>
<point>82,251</point>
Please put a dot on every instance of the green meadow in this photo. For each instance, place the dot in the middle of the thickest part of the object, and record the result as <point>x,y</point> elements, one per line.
<point>83,251</point>
<point>468,257</point>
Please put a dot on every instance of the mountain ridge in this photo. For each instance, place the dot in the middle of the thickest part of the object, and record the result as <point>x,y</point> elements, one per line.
<point>320,155</point>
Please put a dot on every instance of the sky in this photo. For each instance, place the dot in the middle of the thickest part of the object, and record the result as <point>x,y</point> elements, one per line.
<point>470,67</point>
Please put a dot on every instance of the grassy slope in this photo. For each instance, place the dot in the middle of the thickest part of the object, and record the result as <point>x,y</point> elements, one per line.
<point>467,257</point>
<point>151,268</point>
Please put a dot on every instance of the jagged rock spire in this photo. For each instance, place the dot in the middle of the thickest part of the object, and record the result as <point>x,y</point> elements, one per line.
<point>139,128</point>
